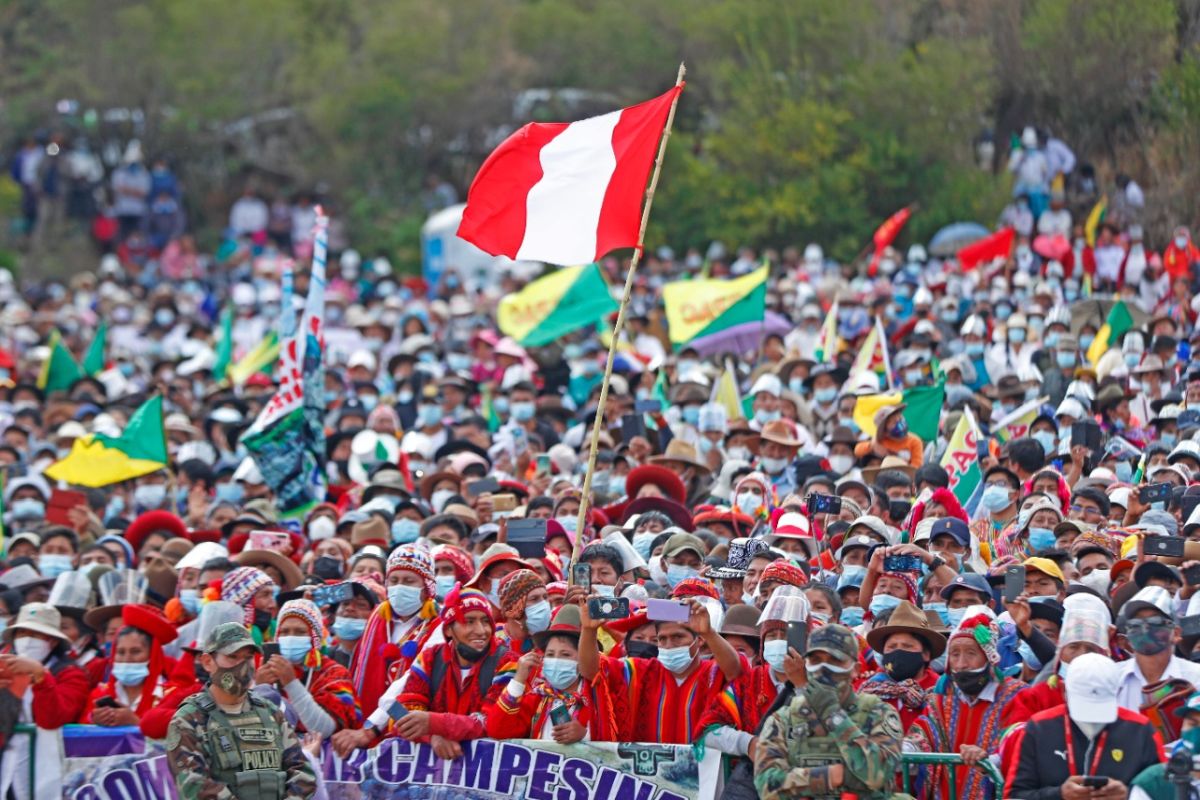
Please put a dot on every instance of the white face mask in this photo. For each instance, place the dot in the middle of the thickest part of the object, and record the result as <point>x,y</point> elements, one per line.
<point>773,466</point>
<point>439,498</point>
<point>321,528</point>
<point>1098,579</point>
<point>32,647</point>
<point>841,464</point>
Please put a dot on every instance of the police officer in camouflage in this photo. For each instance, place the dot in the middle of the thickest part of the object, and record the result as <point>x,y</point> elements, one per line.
<point>829,740</point>
<point>225,743</point>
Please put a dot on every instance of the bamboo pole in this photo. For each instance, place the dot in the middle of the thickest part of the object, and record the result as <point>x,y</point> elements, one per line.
<point>585,499</point>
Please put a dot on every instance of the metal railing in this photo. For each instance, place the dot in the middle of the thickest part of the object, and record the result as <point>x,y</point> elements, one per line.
<point>950,761</point>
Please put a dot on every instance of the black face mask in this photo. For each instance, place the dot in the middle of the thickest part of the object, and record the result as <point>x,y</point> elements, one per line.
<point>202,675</point>
<point>900,665</point>
<point>327,568</point>
<point>469,653</point>
<point>262,620</point>
<point>640,649</point>
<point>971,682</point>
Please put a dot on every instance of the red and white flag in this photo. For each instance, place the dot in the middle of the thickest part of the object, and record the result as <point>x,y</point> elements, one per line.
<point>567,192</point>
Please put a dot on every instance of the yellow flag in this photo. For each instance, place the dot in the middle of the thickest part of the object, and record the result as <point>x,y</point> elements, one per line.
<point>701,307</point>
<point>866,406</point>
<point>725,392</point>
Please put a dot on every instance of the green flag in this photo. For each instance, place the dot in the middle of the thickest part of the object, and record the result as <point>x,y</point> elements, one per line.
<point>224,345</point>
<point>93,359</point>
<point>60,369</point>
<point>924,409</point>
<point>144,437</point>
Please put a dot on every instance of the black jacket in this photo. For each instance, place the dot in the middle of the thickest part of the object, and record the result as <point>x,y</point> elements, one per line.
<point>1039,768</point>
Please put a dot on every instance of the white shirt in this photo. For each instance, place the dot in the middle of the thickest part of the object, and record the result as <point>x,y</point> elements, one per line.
<point>1053,222</point>
<point>249,215</point>
<point>1129,693</point>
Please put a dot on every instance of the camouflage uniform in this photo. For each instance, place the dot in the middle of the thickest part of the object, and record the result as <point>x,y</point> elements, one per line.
<point>799,742</point>
<point>249,755</point>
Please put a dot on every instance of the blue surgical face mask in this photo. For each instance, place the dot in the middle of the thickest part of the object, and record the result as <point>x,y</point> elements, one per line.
<point>428,416</point>
<point>52,565</point>
<point>762,416</point>
<point>405,600</point>
<point>1065,358</point>
<point>995,498</point>
<point>796,385</point>
<point>941,609</point>
<point>294,648</point>
<point>150,495</point>
<point>523,410</point>
<point>883,602</point>
<point>1085,341</point>
<point>570,523</point>
<point>1051,338</point>
<point>1041,539</point>
<point>405,530</point>
<point>230,492</point>
<point>642,542</point>
<point>560,672</point>
<point>825,395</point>
<point>1124,471</point>
<point>190,600</point>
<point>1016,335</point>
<point>28,508</point>
<point>852,616</point>
<point>691,415</point>
<point>974,349</point>
<point>1046,440</point>
<point>676,659</point>
<point>131,673</point>
<point>955,616</point>
<point>348,629</point>
<point>1168,439</point>
<point>537,616</point>
<point>444,584</point>
<point>774,652</point>
<point>677,573</point>
<point>1026,653</point>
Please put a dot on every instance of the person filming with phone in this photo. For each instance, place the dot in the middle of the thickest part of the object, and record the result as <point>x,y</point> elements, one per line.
<point>1088,749</point>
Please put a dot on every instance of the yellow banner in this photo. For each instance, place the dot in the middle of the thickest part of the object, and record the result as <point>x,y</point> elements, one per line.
<point>520,313</point>
<point>694,305</point>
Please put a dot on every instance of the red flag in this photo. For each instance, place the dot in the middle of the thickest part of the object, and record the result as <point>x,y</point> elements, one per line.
<point>567,193</point>
<point>998,245</point>
<point>886,233</point>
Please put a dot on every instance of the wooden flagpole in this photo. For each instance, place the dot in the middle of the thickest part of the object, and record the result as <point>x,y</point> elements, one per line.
<point>612,347</point>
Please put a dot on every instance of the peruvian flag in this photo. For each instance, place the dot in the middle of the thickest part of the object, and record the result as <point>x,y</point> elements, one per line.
<point>567,192</point>
<point>987,249</point>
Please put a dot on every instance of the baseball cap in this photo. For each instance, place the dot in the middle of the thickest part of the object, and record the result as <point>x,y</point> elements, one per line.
<point>683,541</point>
<point>1092,683</point>
<point>1045,566</point>
<point>229,638</point>
<point>837,640</point>
<point>968,580</point>
<point>1152,597</point>
<point>953,526</point>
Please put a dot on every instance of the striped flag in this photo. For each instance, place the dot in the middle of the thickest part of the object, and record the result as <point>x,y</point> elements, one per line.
<point>961,462</point>
<point>873,357</point>
<point>826,349</point>
<point>567,193</point>
<point>1016,424</point>
<point>1118,322</point>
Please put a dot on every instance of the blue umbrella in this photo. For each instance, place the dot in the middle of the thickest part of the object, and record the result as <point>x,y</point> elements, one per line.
<point>954,237</point>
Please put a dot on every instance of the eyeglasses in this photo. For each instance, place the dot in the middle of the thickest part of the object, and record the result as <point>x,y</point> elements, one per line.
<point>1085,510</point>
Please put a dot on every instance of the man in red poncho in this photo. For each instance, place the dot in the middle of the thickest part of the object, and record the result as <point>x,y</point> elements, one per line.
<point>1180,254</point>
<point>448,684</point>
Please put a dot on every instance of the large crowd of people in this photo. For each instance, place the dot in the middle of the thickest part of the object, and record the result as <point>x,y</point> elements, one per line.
<point>795,586</point>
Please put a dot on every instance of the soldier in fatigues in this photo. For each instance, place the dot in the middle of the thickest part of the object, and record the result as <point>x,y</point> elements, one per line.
<point>829,740</point>
<point>227,744</point>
